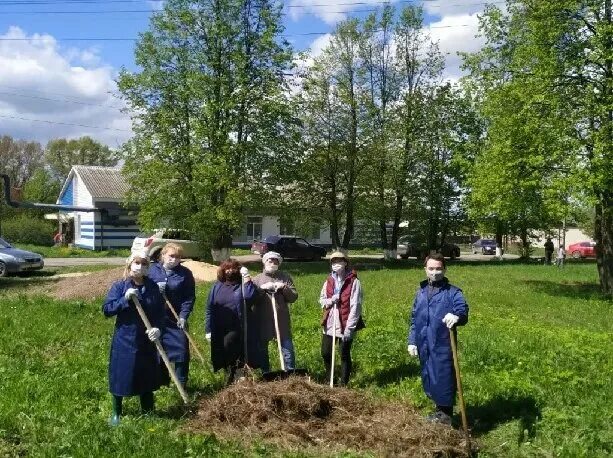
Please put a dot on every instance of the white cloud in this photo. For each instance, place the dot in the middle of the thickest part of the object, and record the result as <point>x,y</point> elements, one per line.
<point>41,81</point>
<point>456,34</point>
<point>330,11</point>
<point>452,8</point>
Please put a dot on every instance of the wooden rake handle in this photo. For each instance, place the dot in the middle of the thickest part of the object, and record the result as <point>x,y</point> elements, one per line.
<point>456,364</point>
<point>189,338</point>
<point>278,332</point>
<point>161,351</point>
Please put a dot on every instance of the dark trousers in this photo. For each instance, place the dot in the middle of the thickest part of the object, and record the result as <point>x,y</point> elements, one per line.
<point>326,354</point>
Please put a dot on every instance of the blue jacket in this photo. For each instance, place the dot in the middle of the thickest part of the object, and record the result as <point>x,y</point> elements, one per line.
<point>431,336</point>
<point>133,362</point>
<point>181,293</point>
<point>220,320</point>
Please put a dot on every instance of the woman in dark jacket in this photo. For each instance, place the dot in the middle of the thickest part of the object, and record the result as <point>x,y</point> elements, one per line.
<point>134,362</point>
<point>224,324</point>
<point>176,284</point>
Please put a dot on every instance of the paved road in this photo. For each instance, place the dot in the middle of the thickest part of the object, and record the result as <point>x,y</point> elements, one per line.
<point>72,262</point>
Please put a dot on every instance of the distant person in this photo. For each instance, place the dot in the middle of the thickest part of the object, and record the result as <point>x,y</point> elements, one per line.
<point>58,238</point>
<point>224,324</point>
<point>134,362</point>
<point>548,251</point>
<point>274,282</point>
<point>438,306</point>
<point>560,256</point>
<point>176,284</point>
<point>341,293</point>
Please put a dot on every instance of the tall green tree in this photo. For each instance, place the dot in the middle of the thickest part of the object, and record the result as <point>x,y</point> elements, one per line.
<point>210,111</point>
<point>332,107</point>
<point>61,154</point>
<point>19,159</point>
<point>560,54</point>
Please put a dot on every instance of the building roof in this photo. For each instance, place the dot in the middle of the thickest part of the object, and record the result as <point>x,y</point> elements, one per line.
<point>102,182</point>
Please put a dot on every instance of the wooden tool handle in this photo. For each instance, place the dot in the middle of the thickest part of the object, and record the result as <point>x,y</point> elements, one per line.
<point>189,337</point>
<point>161,351</point>
<point>274,312</point>
<point>456,364</point>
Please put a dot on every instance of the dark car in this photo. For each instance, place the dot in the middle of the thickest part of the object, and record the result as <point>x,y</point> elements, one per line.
<point>14,260</point>
<point>485,246</point>
<point>289,246</point>
<point>407,249</point>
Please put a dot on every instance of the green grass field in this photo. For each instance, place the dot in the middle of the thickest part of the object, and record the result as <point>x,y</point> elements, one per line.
<point>535,358</point>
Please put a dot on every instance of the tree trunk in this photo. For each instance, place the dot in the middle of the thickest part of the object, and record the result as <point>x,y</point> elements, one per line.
<point>604,243</point>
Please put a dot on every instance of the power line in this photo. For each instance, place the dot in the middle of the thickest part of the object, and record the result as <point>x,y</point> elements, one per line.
<point>62,123</point>
<point>414,2</point>
<point>59,100</point>
<point>134,39</point>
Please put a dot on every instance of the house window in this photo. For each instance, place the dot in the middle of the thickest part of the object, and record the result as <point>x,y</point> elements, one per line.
<point>254,227</point>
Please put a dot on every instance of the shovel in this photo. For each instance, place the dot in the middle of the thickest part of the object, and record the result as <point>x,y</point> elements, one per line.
<point>283,373</point>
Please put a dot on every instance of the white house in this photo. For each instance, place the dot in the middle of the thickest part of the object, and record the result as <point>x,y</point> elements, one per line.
<point>108,225</point>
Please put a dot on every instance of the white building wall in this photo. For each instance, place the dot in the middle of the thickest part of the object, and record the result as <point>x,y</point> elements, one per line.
<point>270,225</point>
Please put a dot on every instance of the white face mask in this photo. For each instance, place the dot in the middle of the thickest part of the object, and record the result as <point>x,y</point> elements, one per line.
<point>271,268</point>
<point>338,267</point>
<point>139,270</point>
<point>171,263</point>
<point>435,275</point>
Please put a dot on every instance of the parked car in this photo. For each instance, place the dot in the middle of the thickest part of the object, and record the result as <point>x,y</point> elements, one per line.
<point>582,250</point>
<point>485,246</point>
<point>288,246</point>
<point>154,243</point>
<point>407,249</point>
<point>14,260</point>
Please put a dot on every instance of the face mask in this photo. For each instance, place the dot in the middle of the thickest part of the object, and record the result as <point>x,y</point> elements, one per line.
<point>171,263</point>
<point>271,268</point>
<point>435,275</point>
<point>139,270</point>
<point>338,267</point>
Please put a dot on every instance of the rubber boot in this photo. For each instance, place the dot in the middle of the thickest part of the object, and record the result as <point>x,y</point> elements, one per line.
<point>146,403</point>
<point>230,375</point>
<point>117,410</point>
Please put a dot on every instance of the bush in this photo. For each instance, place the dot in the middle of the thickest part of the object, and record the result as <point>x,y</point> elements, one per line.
<point>27,229</point>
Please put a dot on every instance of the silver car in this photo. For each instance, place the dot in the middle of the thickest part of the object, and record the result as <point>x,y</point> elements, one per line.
<point>14,260</point>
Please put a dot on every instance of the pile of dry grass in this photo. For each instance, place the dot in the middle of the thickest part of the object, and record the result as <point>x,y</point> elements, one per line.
<point>298,414</point>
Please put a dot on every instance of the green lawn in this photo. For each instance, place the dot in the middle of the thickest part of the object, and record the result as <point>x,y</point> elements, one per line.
<point>72,252</point>
<point>535,358</point>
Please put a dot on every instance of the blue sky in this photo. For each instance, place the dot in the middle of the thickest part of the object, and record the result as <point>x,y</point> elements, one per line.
<point>52,87</point>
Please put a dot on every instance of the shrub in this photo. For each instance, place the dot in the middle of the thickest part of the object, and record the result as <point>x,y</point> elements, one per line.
<point>28,229</point>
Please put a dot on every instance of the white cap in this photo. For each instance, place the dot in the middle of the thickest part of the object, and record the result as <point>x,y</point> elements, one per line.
<point>272,255</point>
<point>137,254</point>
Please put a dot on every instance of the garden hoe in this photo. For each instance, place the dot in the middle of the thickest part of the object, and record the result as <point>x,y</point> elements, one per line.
<point>161,351</point>
<point>283,373</point>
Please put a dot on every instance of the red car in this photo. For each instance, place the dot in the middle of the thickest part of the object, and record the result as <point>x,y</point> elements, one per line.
<point>582,250</point>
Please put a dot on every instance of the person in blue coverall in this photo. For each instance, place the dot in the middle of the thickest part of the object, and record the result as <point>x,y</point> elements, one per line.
<point>176,284</point>
<point>438,307</point>
<point>134,361</point>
